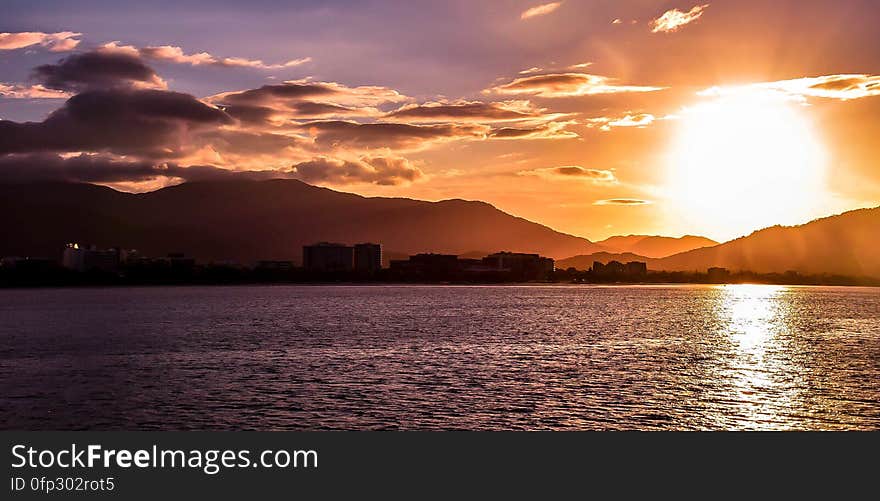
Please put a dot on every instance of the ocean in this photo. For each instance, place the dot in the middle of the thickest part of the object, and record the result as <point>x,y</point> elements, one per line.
<point>532,357</point>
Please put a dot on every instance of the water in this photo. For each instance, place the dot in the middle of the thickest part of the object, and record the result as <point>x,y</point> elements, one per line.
<point>403,357</point>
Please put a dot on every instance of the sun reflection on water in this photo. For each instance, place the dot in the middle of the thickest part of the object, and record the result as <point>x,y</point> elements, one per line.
<point>762,380</point>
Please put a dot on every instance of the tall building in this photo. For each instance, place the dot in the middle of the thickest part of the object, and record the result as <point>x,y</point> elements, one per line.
<point>367,257</point>
<point>636,268</point>
<point>520,265</point>
<point>326,256</point>
<point>79,258</point>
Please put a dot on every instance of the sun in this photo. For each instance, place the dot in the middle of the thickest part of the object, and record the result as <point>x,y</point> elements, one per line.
<point>742,161</point>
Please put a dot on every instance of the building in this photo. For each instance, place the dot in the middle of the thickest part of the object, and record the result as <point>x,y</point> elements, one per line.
<point>268,265</point>
<point>80,258</point>
<point>718,275</point>
<point>610,268</point>
<point>326,256</point>
<point>27,264</point>
<point>179,262</point>
<point>367,257</point>
<point>617,269</point>
<point>521,266</point>
<point>636,269</point>
<point>429,266</point>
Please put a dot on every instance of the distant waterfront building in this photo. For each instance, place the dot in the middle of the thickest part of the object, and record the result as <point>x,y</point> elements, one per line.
<point>716,274</point>
<point>636,268</point>
<point>521,265</point>
<point>326,256</point>
<point>618,269</point>
<point>367,257</point>
<point>267,265</point>
<point>27,264</point>
<point>180,262</point>
<point>609,268</point>
<point>80,258</point>
<point>427,265</point>
<point>435,264</point>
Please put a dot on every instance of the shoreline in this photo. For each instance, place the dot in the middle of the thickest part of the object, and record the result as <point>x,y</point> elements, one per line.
<point>875,284</point>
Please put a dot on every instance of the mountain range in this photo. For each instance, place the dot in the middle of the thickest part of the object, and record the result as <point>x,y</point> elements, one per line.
<point>247,220</point>
<point>844,244</point>
<point>654,246</point>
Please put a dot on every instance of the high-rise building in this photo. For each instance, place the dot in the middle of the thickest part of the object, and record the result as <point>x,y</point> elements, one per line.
<point>520,265</point>
<point>367,257</point>
<point>79,258</point>
<point>326,256</point>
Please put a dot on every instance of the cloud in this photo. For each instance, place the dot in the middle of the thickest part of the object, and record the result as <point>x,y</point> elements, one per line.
<point>280,104</point>
<point>339,133</point>
<point>381,170</point>
<point>248,143</point>
<point>18,91</point>
<point>622,201</point>
<point>98,70</point>
<point>176,54</point>
<point>298,90</point>
<point>540,10</point>
<point>150,123</point>
<point>617,21</point>
<point>596,176</point>
<point>87,168</point>
<point>843,87</point>
<point>551,130</point>
<point>55,42</point>
<point>639,120</point>
<point>108,169</point>
<point>566,84</point>
<point>580,66</point>
<point>469,111</point>
<point>529,71</point>
<point>672,20</point>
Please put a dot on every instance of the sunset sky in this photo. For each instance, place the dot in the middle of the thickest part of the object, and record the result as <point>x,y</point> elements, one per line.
<point>596,118</point>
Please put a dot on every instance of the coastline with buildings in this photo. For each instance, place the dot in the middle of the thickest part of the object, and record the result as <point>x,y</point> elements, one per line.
<point>359,263</point>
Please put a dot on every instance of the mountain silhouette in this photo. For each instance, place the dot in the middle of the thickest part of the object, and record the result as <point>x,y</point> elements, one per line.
<point>845,244</point>
<point>585,261</point>
<point>244,221</point>
<point>654,246</point>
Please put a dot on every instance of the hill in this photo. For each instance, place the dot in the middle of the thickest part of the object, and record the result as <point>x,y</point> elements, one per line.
<point>655,246</point>
<point>246,220</point>
<point>845,244</point>
<point>585,261</point>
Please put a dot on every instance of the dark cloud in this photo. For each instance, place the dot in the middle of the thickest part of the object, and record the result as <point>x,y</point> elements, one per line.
<point>309,109</point>
<point>466,111</point>
<point>269,94</point>
<point>622,201</point>
<point>250,115</point>
<point>375,170</point>
<point>302,99</point>
<point>249,143</point>
<point>300,90</point>
<point>84,168</point>
<point>336,133</point>
<point>552,130</point>
<point>598,176</point>
<point>146,122</point>
<point>106,169</point>
<point>98,70</point>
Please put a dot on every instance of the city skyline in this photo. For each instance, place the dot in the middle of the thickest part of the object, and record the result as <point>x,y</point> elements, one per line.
<point>593,118</point>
